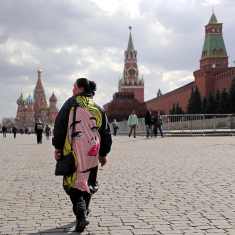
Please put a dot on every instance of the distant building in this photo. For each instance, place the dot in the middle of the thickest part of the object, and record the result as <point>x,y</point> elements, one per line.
<point>130,95</point>
<point>31,109</point>
<point>214,73</point>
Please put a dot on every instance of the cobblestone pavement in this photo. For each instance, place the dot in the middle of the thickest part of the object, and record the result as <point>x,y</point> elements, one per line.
<point>158,186</point>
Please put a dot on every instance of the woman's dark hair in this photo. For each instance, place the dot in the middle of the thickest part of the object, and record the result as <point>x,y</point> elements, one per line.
<point>89,86</point>
<point>92,86</point>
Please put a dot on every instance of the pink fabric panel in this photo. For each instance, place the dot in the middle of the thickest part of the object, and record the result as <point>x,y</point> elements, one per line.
<point>86,145</point>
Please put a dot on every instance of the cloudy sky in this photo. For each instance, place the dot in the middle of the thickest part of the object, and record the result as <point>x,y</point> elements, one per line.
<point>73,38</point>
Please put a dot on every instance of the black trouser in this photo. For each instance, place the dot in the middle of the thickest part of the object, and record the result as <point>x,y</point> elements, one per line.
<point>14,135</point>
<point>155,130</point>
<point>133,127</point>
<point>80,201</point>
<point>115,131</point>
<point>39,137</point>
<point>149,130</point>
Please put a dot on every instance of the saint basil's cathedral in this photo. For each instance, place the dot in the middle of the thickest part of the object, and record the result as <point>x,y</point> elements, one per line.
<point>33,109</point>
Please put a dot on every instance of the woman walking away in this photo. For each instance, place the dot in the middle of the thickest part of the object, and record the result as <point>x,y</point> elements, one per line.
<point>132,123</point>
<point>82,130</point>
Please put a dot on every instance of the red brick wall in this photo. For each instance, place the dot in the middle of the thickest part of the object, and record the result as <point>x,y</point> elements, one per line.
<point>165,102</point>
<point>137,91</point>
<point>210,81</point>
<point>224,80</point>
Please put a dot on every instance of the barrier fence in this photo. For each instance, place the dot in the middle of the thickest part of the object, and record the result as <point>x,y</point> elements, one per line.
<point>189,123</point>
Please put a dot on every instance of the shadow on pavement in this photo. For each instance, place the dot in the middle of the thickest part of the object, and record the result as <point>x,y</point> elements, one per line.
<point>65,229</point>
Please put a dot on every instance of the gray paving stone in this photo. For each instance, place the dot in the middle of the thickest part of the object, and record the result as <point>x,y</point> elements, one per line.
<point>158,186</point>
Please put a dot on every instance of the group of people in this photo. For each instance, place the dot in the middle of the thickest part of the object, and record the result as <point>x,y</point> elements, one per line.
<point>39,128</point>
<point>4,131</point>
<point>153,123</point>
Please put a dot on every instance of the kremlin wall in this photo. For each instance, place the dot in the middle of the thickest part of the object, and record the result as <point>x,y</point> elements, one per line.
<point>214,74</point>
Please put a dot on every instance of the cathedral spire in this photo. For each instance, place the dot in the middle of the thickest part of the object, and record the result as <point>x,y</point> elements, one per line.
<point>39,81</point>
<point>40,102</point>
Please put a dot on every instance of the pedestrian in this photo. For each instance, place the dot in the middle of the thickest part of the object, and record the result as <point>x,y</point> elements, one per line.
<point>115,127</point>
<point>4,131</point>
<point>132,123</point>
<point>157,124</point>
<point>82,129</point>
<point>26,130</point>
<point>48,132</point>
<point>39,131</point>
<point>14,131</point>
<point>148,123</point>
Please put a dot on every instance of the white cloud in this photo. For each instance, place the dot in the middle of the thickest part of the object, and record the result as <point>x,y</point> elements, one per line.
<point>76,38</point>
<point>177,78</point>
<point>130,7</point>
<point>18,52</point>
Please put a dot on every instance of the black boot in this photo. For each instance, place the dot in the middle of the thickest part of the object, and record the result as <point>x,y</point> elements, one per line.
<point>81,214</point>
<point>87,198</point>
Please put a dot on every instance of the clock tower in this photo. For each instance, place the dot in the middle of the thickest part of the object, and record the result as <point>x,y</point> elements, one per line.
<point>130,81</point>
<point>214,59</point>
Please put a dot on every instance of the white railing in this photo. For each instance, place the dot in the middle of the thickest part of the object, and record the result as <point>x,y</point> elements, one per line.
<point>198,122</point>
<point>188,123</point>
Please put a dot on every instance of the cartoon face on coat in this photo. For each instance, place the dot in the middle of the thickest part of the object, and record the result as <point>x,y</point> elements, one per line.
<point>86,144</point>
<point>85,136</point>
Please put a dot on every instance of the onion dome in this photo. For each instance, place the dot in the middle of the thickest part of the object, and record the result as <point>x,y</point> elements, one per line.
<point>20,100</point>
<point>53,98</point>
<point>29,99</point>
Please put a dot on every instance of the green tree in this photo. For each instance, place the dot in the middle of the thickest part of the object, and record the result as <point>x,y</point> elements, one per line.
<point>173,110</point>
<point>195,103</point>
<point>204,106</point>
<point>225,102</point>
<point>178,109</point>
<point>211,104</point>
<point>159,93</point>
<point>232,96</point>
<point>190,102</point>
<point>218,102</point>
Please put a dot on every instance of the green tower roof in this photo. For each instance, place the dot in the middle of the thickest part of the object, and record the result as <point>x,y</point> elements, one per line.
<point>214,46</point>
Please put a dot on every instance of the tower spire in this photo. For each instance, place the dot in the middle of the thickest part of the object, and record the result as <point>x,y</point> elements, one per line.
<point>40,102</point>
<point>130,46</point>
<point>130,81</point>
<point>213,19</point>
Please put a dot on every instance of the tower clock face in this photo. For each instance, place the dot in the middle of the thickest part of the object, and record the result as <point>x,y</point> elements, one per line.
<point>131,72</point>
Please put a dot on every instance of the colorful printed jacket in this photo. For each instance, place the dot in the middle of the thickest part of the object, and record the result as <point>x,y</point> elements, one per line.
<point>91,139</point>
